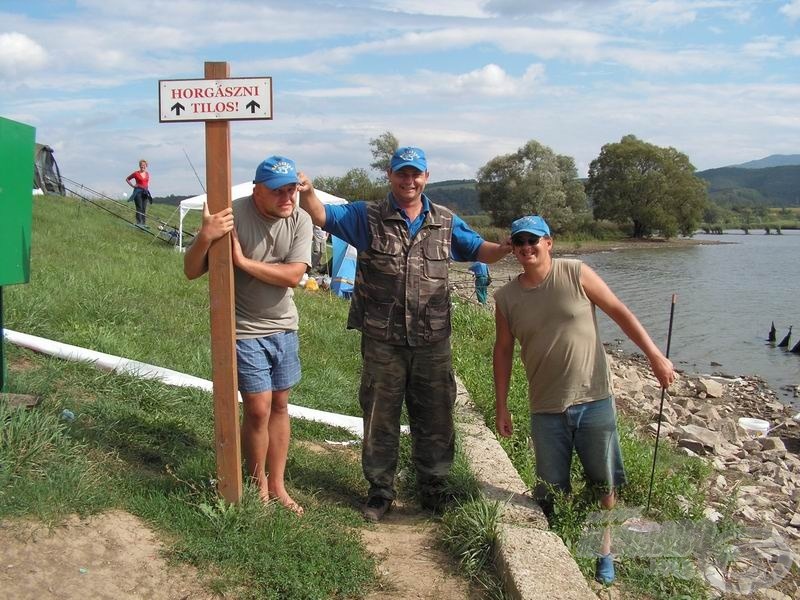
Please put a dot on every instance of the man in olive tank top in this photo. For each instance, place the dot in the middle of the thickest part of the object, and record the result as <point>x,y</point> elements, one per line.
<point>550,309</point>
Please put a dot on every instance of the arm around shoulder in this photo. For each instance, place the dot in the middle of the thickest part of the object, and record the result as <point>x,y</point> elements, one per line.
<point>491,252</point>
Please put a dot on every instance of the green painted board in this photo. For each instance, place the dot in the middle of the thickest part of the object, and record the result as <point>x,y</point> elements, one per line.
<point>17,142</point>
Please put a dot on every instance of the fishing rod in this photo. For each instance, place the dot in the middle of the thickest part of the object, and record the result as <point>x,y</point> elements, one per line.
<point>164,225</point>
<point>195,171</point>
<point>156,234</point>
<point>661,407</point>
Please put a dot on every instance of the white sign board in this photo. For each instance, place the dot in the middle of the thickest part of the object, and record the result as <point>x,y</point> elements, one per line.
<point>234,99</point>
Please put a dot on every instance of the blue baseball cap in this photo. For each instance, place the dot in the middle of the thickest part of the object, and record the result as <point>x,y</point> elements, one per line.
<point>275,172</point>
<point>409,156</point>
<point>533,224</point>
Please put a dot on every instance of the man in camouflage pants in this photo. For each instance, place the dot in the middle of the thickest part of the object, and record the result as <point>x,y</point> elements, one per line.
<point>401,305</point>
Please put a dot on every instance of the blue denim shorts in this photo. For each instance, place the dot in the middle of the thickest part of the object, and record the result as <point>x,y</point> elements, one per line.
<point>591,430</point>
<point>268,363</point>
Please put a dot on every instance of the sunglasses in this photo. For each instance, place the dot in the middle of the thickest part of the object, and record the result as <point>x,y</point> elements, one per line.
<point>526,241</point>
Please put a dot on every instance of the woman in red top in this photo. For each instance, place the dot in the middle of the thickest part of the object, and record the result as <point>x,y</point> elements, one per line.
<point>140,182</point>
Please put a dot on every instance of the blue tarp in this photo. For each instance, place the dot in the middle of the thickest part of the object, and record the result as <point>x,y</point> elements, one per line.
<point>343,273</point>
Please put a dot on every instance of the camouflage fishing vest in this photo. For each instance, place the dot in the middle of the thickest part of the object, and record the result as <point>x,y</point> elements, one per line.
<point>401,290</point>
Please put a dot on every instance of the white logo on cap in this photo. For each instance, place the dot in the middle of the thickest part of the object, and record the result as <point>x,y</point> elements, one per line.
<point>283,167</point>
<point>409,154</point>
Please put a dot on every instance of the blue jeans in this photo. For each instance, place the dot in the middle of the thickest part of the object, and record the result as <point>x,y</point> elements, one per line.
<point>140,196</point>
<point>591,430</point>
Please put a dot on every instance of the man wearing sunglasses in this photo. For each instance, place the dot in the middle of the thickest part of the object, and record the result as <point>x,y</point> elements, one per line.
<point>550,309</point>
<point>401,306</point>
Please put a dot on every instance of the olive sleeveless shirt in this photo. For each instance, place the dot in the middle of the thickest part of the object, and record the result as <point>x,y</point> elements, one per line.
<point>556,325</point>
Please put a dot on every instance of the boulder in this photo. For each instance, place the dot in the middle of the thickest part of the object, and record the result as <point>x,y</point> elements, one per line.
<point>710,415</point>
<point>711,387</point>
<point>696,447</point>
<point>710,439</point>
<point>729,430</point>
<point>771,443</point>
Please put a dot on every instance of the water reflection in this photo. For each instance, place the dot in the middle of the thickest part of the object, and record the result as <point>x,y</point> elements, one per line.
<point>728,294</point>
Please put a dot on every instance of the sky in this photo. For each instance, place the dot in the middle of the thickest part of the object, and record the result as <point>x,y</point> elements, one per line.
<point>466,80</point>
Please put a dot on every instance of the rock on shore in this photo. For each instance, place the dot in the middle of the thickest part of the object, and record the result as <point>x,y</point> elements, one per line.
<point>700,418</point>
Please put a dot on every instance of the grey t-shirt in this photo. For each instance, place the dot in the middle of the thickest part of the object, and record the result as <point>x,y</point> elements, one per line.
<point>261,308</point>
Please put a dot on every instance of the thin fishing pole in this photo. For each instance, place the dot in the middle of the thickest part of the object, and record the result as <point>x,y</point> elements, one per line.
<point>661,407</point>
<point>123,206</point>
<point>195,171</point>
<point>155,234</point>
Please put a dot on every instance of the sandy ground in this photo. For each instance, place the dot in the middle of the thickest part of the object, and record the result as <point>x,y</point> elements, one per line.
<point>108,556</point>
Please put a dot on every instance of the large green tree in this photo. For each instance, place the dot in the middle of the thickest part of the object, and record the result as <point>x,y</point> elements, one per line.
<point>650,188</point>
<point>382,148</point>
<point>532,180</point>
<point>353,185</point>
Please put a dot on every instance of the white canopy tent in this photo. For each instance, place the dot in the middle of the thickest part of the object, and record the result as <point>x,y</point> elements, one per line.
<point>238,191</point>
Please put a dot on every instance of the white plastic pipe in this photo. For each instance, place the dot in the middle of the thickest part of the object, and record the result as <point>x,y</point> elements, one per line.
<point>109,362</point>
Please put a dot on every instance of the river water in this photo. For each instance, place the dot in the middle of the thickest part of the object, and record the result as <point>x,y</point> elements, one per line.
<point>727,297</point>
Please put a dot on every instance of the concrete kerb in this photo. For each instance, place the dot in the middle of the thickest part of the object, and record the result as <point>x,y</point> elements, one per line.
<point>532,561</point>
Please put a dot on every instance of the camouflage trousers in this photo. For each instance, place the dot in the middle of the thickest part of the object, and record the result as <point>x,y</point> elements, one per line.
<point>423,377</point>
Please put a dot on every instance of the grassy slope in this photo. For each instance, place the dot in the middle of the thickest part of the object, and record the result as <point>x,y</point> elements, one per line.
<point>102,284</point>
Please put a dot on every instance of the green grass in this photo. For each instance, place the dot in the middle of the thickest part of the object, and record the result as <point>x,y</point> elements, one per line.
<point>678,491</point>
<point>148,448</point>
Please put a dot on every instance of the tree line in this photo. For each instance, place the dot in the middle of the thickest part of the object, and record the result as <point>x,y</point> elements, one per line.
<point>643,188</point>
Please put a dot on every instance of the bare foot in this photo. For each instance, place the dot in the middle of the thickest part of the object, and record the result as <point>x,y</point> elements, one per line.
<point>263,489</point>
<point>287,502</point>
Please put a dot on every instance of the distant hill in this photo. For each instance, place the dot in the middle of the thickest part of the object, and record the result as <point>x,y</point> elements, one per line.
<point>773,160</point>
<point>459,195</point>
<point>773,186</point>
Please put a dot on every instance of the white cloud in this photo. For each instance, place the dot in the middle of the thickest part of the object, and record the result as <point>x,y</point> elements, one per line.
<point>661,14</point>
<point>341,92</point>
<point>792,10</point>
<point>20,55</point>
<point>490,81</point>
<point>793,48</point>
<point>571,44</point>
<point>446,8</point>
<point>517,8</point>
<point>766,47</point>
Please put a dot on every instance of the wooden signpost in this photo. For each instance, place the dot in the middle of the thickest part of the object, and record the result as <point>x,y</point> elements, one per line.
<point>217,100</point>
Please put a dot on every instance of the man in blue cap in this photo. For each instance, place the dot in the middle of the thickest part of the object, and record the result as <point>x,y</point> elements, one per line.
<point>271,245</point>
<point>550,309</point>
<point>401,305</point>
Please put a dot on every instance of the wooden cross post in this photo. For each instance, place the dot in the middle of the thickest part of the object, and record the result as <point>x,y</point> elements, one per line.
<point>217,100</point>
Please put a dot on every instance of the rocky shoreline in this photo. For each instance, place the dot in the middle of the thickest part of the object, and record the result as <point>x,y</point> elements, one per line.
<point>700,418</point>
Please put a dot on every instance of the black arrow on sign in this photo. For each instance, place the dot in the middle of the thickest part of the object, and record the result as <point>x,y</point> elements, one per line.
<point>178,107</point>
<point>252,105</point>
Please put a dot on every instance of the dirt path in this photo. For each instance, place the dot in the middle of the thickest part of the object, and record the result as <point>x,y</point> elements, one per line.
<point>411,564</point>
<point>109,556</point>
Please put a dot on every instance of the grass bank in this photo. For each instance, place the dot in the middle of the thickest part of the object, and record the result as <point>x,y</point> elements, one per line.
<point>677,491</point>
<point>147,448</point>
